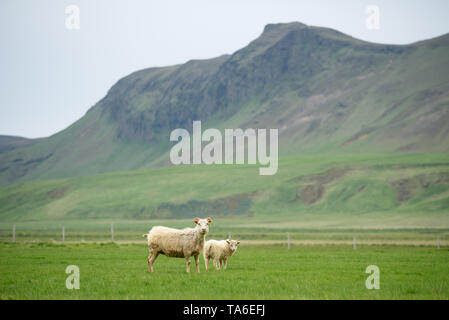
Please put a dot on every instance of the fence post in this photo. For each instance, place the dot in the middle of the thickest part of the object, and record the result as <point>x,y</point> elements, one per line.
<point>288,240</point>
<point>355,243</point>
<point>438,242</point>
<point>13,233</point>
<point>229,235</point>
<point>112,232</point>
<point>63,234</point>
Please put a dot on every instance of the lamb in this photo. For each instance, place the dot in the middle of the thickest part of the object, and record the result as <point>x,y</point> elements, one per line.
<point>178,243</point>
<point>219,251</point>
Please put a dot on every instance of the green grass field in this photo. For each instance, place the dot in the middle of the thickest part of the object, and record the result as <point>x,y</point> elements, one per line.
<point>110,271</point>
<point>395,205</point>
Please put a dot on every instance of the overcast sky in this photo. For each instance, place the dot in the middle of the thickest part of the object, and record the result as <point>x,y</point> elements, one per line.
<point>51,75</point>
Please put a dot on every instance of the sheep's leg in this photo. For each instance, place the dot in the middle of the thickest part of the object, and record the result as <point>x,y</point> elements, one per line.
<point>206,261</point>
<point>216,264</point>
<point>197,261</point>
<point>221,263</point>
<point>188,264</point>
<point>225,261</point>
<point>153,255</point>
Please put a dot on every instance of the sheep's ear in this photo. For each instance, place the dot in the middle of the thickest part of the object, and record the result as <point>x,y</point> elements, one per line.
<point>238,242</point>
<point>228,241</point>
<point>209,220</point>
<point>196,220</point>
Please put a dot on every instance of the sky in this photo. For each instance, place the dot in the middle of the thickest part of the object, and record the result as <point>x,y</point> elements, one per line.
<point>52,72</point>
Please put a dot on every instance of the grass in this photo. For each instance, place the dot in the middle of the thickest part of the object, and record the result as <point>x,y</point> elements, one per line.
<point>395,205</point>
<point>110,271</point>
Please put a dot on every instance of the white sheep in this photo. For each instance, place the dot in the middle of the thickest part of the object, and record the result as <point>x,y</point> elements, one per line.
<point>219,251</point>
<point>178,243</point>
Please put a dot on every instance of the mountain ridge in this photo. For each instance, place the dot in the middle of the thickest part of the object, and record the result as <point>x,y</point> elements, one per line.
<point>326,92</point>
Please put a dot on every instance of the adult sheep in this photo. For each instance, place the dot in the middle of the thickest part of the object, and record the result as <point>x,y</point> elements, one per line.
<point>177,243</point>
<point>219,251</point>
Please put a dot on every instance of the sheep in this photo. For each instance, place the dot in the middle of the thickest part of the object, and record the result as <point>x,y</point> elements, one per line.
<point>219,251</point>
<point>178,243</point>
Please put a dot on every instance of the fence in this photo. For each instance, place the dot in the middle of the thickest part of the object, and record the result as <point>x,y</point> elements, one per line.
<point>434,238</point>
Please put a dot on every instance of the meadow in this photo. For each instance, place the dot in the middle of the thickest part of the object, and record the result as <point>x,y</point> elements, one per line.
<point>396,206</point>
<point>112,271</point>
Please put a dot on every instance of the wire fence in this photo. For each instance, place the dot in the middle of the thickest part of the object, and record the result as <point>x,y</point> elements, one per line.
<point>113,233</point>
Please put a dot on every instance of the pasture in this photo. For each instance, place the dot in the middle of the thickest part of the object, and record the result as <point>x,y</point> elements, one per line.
<point>119,271</point>
<point>395,205</point>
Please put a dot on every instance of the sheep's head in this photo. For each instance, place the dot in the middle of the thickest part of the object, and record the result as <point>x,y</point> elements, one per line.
<point>203,224</point>
<point>233,244</point>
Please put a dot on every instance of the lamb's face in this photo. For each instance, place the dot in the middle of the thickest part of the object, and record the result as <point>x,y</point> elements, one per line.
<point>233,244</point>
<point>203,224</point>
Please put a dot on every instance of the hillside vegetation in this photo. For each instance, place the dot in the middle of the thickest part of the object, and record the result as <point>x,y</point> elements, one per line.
<point>319,188</point>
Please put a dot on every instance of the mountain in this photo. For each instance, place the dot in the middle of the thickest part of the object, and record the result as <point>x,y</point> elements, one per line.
<point>327,93</point>
<point>8,143</point>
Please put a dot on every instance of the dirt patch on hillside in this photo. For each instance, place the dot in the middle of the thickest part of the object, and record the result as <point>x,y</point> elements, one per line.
<point>407,187</point>
<point>311,194</point>
<point>359,136</point>
<point>58,192</point>
<point>314,190</point>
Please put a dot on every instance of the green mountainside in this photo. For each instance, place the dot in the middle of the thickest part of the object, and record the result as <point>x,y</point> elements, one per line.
<point>369,191</point>
<point>327,92</point>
